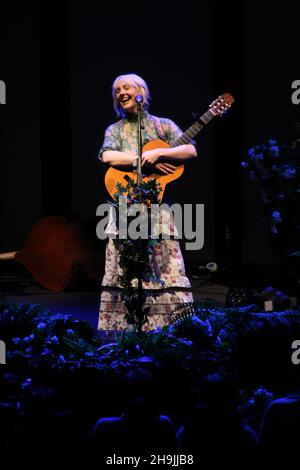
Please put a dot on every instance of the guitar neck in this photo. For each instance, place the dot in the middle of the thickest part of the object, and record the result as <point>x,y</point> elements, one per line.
<point>188,135</point>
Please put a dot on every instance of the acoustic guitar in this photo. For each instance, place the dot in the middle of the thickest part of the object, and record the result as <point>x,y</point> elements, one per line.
<point>114,176</point>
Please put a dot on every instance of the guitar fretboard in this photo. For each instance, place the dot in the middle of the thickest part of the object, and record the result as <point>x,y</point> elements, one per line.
<point>188,135</point>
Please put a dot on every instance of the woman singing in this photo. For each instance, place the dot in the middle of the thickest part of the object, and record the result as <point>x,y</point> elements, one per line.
<point>120,149</point>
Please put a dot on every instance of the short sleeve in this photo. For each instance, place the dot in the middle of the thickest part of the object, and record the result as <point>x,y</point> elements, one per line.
<point>111,140</point>
<point>172,131</point>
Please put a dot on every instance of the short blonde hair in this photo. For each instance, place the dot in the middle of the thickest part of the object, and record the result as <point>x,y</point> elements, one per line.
<point>136,81</point>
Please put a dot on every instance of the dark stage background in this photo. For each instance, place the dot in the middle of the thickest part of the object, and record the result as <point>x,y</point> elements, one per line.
<point>58,60</point>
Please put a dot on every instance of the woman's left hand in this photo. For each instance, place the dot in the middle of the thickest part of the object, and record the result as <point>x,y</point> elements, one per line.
<point>151,156</point>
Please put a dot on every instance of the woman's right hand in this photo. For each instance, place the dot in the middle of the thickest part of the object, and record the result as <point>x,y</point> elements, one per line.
<point>165,168</point>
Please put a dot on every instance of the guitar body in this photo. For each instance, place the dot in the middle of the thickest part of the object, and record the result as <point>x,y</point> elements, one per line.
<point>114,176</point>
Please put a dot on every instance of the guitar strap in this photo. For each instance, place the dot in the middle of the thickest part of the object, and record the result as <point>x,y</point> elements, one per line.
<point>158,128</point>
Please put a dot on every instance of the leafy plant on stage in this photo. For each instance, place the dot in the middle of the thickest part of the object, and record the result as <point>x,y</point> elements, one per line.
<point>52,353</point>
<point>41,343</point>
<point>37,338</point>
<point>158,346</point>
<point>275,166</point>
<point>134,253</point>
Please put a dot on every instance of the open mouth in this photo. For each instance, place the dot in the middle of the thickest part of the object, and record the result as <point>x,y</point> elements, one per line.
<point>125,100</point>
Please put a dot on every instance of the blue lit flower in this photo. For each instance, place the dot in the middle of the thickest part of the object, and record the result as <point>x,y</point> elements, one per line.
<point>274,151</point>
<point>16,340</point>
<point>251,153</point>
<point>45,352</point>
<point>27,383</point>
<point>61,359</point>
<point>276,216</point>
<point>287,172</point>
<point>70,331</point>
<point>28,339</point>
<point>52,340</point>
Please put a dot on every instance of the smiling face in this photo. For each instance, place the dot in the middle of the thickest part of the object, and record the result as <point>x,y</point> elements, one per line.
<point>125,94</point>
<point>124,90</point>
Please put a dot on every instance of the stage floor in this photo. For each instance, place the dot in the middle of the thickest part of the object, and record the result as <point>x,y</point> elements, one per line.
<point>84,303</point>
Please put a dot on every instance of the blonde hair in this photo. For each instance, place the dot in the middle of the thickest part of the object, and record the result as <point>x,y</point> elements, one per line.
<point>136,81</point>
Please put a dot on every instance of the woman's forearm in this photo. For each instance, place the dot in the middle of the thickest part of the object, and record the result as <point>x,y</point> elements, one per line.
<point>116,158</point>
<point>182,152</point>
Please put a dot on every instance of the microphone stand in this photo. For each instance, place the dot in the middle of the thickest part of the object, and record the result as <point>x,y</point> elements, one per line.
<point>140,147</point>
<point>140,300</point>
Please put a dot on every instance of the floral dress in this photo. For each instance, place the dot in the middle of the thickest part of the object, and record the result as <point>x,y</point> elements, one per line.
<point>165,298</point>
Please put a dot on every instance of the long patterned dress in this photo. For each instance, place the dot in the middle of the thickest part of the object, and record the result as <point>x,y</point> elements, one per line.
<point>165,297</point>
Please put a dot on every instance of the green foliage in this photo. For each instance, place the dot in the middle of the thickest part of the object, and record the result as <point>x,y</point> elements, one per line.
<point>43,346</point>
<point>275,167</point>
<point>35,337</point>
<point>209,338</point>
<point>134,254</point>
<point>147,193</point>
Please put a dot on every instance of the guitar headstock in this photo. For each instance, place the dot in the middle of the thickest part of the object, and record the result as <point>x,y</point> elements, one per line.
<point>221,104</point>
